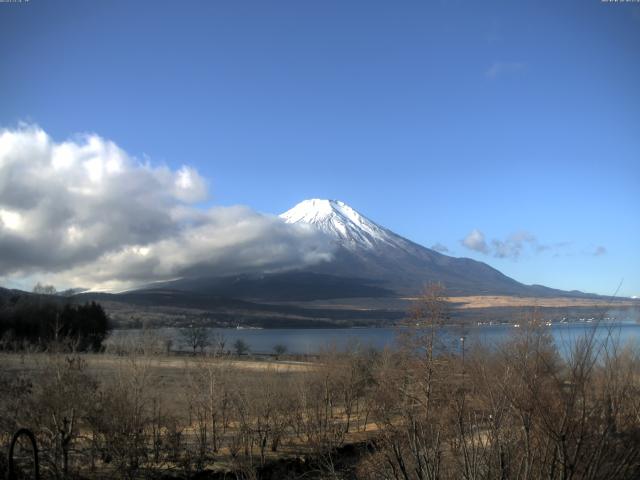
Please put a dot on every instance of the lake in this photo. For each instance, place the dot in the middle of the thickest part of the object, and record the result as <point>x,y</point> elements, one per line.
<point>313,341</point>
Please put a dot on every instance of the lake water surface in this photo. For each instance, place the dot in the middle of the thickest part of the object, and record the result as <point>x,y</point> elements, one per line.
<point>313,341</point>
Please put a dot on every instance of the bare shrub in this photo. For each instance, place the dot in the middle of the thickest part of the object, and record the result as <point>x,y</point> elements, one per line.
<point>521,410</point>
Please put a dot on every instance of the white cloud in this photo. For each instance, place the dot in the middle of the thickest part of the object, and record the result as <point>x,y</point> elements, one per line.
<point>11,220</point>
<point>439,247</point>
<point>85,213</point>
<point>515,245</point>
<point>189,186</point>
<point>475,241</point>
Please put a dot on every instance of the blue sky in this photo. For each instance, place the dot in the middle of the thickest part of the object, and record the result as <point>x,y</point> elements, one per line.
<point>520,120</point>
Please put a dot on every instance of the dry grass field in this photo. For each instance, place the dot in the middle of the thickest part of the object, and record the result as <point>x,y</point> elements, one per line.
<point>490,301</point>
<point>397,414</point>
<point>479,302</point>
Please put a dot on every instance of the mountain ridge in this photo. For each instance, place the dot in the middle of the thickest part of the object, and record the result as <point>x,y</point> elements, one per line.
<point>369,260</point>
<point>377,253</point>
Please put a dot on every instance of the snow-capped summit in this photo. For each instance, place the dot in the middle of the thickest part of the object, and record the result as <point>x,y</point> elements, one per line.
<point>369,261</point>
<point>336,218</point>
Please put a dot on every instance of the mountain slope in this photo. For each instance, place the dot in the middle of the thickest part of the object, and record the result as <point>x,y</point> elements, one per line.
<point>369,261</point>
<point>370,251</point>
<point>281,287</point>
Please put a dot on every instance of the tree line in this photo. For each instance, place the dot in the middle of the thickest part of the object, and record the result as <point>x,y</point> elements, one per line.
<point>39,320</point>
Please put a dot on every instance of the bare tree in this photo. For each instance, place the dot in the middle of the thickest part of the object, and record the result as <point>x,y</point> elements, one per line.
<point>219,342</point>
<point>196,337</point>
<point>241,347</point>
<point>279,350</point>
<point>42,289</point>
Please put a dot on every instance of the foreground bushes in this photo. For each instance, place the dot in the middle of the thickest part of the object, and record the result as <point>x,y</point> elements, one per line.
<point>520,411</point>
<point>517,412</point>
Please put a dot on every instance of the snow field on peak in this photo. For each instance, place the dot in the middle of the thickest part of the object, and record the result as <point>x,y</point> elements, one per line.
<point>339,220</point>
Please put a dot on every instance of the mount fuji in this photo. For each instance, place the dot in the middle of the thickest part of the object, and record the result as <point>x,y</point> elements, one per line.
<point>394,262</point>
<point>369,280</point>
<point>368,260</point>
